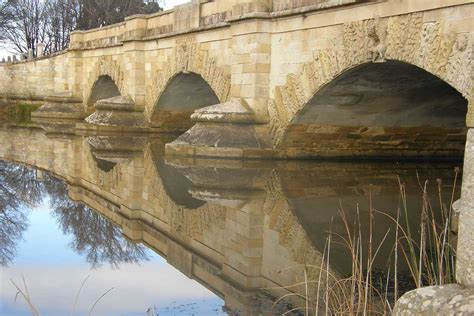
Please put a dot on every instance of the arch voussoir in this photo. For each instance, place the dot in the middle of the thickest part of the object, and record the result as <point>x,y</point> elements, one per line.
<point>183,59</point>
<point>105,66</point>
<point>407,38</point>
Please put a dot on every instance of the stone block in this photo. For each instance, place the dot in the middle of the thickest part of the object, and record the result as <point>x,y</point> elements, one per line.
<point>179,150</point>
<point>219,152</point>
<point>451,299</point>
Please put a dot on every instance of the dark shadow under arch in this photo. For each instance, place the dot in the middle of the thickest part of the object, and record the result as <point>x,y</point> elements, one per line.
<point>176,185</point>
<point>103,164</point>
<point>391,94</point>
<point>317,191</point>
<point>184,93</point>
<point>377,107</point>
<point>103,88</point>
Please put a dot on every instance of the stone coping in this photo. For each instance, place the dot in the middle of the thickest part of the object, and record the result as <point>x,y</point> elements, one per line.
<point>55,54</point>
<point>58,98</point>
<point>247,16</point>
<point>234,111</point>
<point>349,154</point>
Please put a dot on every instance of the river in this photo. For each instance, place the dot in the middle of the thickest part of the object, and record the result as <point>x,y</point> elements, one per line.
<point>178,236</point>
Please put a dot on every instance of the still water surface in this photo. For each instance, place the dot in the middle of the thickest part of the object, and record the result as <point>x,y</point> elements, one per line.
<point>179,236</point>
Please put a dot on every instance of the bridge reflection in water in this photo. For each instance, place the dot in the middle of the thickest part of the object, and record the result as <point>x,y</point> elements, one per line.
<point>243,229</point>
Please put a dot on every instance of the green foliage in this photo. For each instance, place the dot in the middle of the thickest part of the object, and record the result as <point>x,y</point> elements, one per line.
<point>21,113</point>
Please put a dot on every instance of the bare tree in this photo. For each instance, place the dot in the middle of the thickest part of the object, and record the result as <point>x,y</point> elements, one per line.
<point>5,16</point>
<point>94,236</point>
<point>19,188</point>
<point>61,20</point>
<point>95,13</point>
<point>26,25</point>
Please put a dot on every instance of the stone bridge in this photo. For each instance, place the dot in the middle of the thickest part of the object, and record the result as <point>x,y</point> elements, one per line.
<point>293,79</point>
<point>276,79</point>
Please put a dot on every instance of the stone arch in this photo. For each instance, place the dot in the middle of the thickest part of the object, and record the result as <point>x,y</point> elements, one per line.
<point>174,183</point>
<point>389,94</point>
<point>184,93</point>
<point>103,88</point>
<point>187,58</point>
<point>405,38</point>
<point>104,67</point>
<point>189,222</point>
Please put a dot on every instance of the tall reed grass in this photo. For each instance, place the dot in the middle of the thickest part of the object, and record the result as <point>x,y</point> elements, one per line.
<point>23,292</point>
<point>427,249</point>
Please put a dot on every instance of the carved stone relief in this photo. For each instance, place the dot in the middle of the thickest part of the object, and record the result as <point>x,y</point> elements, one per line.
<point>404,38</point>
<point>187,57</point>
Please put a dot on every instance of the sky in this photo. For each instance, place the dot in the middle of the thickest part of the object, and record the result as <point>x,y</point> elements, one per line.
<point>53,273</point>
<point>169,4</point>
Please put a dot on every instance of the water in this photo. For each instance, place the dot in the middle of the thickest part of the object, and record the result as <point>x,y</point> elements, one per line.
<point>181,236</point>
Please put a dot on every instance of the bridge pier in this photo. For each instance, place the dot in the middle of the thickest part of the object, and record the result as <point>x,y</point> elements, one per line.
<point>246,114</point>
<point>135,73</point>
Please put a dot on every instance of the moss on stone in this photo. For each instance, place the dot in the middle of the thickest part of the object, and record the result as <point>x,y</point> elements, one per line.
<point>23,112</point>
<point>19,113</point>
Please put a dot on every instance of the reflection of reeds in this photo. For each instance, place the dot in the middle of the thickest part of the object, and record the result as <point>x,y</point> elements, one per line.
<point>26,296</point>
<point>430,259</point>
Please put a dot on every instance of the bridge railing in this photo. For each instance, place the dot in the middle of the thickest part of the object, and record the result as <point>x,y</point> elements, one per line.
<point>191,16</point>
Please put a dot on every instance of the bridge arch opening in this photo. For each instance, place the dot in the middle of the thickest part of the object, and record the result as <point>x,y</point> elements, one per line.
<point>175,184</point>
<point>184,93</point>
<point>104,165</point>
<point>104,87</point>
<point>383,109</point>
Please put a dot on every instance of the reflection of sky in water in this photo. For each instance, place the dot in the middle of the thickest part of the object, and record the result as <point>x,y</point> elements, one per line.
<point>54,273</point>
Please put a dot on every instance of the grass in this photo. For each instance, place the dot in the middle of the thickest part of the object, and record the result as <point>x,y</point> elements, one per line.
<point>428,249</point>
<point>24,293</point>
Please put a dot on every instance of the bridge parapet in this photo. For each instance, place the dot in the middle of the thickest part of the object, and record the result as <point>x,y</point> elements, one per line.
<point>193,16</point>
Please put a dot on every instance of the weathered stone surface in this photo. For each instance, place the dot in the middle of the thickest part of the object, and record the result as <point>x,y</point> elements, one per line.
<point>225,136</point>
<point>451,299</point>
<point>60,111</point>
<point>56,125</point>
<point>117,118</point>
<point>233,111</point>
<point>465,254</point>
<point>119,103</point>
